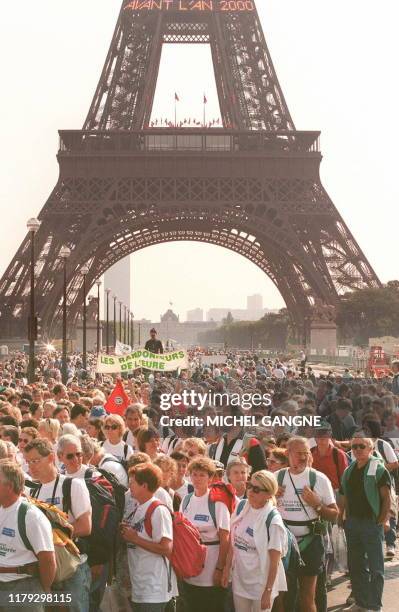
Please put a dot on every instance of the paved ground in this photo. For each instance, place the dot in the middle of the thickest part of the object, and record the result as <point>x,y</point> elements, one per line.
<point>341,588</point>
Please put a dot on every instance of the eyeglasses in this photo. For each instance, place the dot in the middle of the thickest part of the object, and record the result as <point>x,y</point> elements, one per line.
<point>113,427</point>
<point>358,446</point>
<point>24,440</point>
<point>34,461</point>
<point>71,456</point>
<point>255,488</point>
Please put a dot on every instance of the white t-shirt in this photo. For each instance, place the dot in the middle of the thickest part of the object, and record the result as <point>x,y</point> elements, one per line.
<point>149,571</point>
<point>289,505</point>
<point>131,503</point>
<point>80,473</point>
<point>118,450</point>
<point>248,581</point>
<point>80,498</point>
<point>12,549</point>
<point>198,513</point>
<point>183,490</point>
<point>389,454</point>
<point>130,440</point>
<point>110,464</point>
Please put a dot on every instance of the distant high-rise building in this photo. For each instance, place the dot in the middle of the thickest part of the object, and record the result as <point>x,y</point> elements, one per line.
<point>254,302</point>
<point>117,279</point>
<point>195,315</point>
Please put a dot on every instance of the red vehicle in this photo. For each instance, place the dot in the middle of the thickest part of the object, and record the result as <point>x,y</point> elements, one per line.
<point>379,363</point>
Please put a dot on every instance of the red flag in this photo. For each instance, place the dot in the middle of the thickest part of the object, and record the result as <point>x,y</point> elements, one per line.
<point>177,97</point>
<point>118,401</point>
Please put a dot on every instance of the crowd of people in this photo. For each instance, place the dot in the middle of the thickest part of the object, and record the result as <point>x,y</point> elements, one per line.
<point>101,509</point>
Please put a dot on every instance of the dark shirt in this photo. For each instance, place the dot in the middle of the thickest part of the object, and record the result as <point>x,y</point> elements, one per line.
<point>155,346</point>
<point>356,501</point>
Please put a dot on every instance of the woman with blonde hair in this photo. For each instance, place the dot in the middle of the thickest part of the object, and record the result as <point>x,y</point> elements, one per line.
<point>114,428</point>
<point>49,429</point>
<point>169,473</point>
<point>194,447</point>
<point>258,542</point>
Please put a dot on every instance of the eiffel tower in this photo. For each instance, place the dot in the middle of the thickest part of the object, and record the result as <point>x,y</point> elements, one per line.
<point>252,185</point>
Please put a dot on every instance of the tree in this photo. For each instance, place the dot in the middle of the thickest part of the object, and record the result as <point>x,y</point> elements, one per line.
<point>366,313</point>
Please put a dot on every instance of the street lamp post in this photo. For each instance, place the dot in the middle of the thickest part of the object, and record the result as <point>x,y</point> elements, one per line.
<point>128,326</point>
<point>120,320</point>
<point>32,225</point>
<point>64,254</point>
<point>139,334</point>
<point>124,324</point>
<point>115,298</point>
<point>98,283</point>
<point>107,291</point>
<point>84,272</point>
<point>132,329</point>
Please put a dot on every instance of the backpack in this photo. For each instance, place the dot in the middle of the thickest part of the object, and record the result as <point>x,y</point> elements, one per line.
<point>122,462</point>
<point>66,552</point>
<point>292,544</point>
<point>335,459</point>
<point>218,492</point>
<point>188,554</point>
<point>110,482</point>
<point>100,545</point>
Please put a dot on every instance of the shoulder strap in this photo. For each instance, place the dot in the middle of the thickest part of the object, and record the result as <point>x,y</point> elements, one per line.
<point>336,461</point>
<point>273,512</point>
<point>190,488</point>
<point>125,435</point>
<point>212,510</point>
<point>380,447</point>
<point>88,473</point>
<point>126,448</point>
<point>240,506</point>
<point>186,500</point>
<point>312,478</point>
<point>66,495</point>
<point>148,515</point>
<point>22,510</point>
<point>280,476</point>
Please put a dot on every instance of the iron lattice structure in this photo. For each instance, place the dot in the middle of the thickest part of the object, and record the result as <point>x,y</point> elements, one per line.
<point>252,186</point>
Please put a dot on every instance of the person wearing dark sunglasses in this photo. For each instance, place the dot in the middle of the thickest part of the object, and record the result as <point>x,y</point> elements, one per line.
<point>365,503</point>
<point>114,428</point>
<point>255,551</point>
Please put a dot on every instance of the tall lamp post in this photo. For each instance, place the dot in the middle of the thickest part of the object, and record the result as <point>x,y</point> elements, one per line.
<point>124,324</point>
<point>98,283</point>
<point>84,272</point>
<point>132,329</point>
<point>107,291</point>
<point>32,225</point>
<point>120,320</point>
<point>115,298</point>
<point>64,254</point>
<point>139,334</point>
<point>128,327</point>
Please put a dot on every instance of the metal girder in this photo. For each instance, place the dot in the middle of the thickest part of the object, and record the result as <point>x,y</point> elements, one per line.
<point>252,187</point>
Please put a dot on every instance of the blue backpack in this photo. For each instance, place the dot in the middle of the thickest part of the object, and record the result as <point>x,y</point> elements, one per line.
<point>274,512</point>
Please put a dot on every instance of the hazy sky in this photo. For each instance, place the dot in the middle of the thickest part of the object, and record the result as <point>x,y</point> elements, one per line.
<point>337,64</point>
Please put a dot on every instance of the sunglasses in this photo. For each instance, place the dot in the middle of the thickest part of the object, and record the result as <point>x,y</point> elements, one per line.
<point>113,427</point>
<point>71,456</point>
<point>358,446</point>
<point>254,488</point>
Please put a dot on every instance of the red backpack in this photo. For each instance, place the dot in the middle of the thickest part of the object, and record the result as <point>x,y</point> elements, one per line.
<point>188,554</point>
<point>223,492</point>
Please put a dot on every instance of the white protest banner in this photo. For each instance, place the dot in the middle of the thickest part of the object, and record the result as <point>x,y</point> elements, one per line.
<point>122,349</point>
<point>207,360</point>
<point>140,358</point>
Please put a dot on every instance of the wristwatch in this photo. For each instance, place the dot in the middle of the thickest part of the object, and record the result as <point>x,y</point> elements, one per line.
<point>319,508</point>
<point>269,589</point>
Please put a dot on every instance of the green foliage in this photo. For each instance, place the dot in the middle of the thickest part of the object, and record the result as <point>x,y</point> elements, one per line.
<point>270,332</point>
<point>369,313</point>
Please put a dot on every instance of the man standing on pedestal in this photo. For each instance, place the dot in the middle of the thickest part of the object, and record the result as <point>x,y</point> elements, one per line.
<point>153,345</point>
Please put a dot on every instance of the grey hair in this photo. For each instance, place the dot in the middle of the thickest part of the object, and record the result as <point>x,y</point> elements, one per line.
<point>297,440</point>
<point>70,428</point>
<point>87,445</point>
<point>68,439</point>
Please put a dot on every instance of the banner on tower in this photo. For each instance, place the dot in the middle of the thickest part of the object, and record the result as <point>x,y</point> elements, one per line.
<point>140,358</point>
<point>191,5</point>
